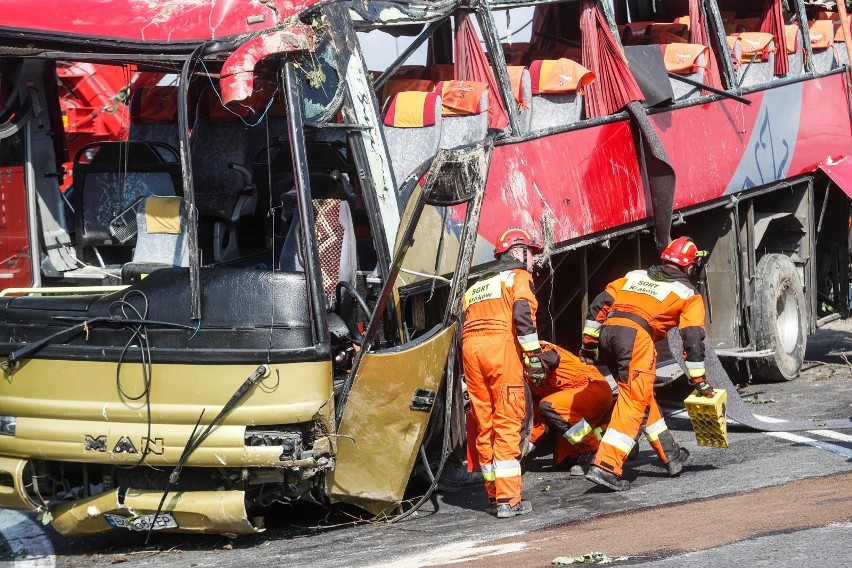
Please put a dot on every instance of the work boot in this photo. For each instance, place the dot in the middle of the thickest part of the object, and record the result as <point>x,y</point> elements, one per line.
<point>506,511</point>
<point>675,465</point>
<point>581,465</point>
<point>607,479</point>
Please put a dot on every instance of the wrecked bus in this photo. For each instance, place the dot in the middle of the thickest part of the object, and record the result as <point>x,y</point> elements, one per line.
<point>182,345</point>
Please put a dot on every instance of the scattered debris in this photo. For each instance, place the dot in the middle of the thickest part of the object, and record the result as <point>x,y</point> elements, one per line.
<point>119,559</point>
<point>546,488</point>
<point>590,558</point>
<point>755,399</point>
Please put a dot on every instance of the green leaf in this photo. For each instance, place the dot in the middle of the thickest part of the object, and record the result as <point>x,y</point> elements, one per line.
<point>45,517</point>
<point>589,558</point>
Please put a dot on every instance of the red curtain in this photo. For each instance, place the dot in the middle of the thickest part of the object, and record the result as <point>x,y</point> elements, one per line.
<point>471,64</point>
<point>615,86</point>
<point>772,21</point>
<point>698,34</point>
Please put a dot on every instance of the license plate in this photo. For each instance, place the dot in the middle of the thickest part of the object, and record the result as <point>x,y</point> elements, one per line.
<point>142,522</point>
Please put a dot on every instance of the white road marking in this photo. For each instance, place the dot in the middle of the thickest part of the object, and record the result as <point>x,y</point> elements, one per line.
<point>455,553</point>
<point>28,545</point>
<point>832,435</point>
<point>827,446</point>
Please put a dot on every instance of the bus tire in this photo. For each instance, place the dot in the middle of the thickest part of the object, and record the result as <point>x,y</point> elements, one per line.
<point>779,319</point>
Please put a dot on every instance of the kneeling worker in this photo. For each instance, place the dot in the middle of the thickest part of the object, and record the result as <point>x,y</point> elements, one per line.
<point>574,401</point>
<point>624,321</point>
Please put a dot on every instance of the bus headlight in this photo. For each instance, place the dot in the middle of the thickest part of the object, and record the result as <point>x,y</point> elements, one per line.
<point>7,425</point>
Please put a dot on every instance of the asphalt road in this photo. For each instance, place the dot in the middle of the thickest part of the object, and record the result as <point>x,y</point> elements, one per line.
<point>777,500</point>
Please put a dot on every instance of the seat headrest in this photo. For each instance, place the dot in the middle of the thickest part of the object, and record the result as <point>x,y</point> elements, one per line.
<point>154,105</point>
<point>398,85</point>
<point>791,37</point>
<point>520,88</point>
<point>412,109</point>
<point>822,33</point>
<point>460,98</point>
<point>683,57</point>
<point>555,76</point>
<point>755,43</point>
<point>328,185</point>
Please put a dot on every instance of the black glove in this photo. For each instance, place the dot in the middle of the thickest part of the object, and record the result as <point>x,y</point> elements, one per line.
<point>534,369</point>
<point>701,385</point>
<point>589,353</point>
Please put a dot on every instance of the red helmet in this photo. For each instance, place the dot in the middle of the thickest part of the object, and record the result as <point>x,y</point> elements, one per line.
<point>683,252</point>
<point>513,236</point>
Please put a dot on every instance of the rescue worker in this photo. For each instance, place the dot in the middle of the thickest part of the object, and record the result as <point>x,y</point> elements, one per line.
<point>499,344</point>
<point>623,323</point>
<point>574,402</point>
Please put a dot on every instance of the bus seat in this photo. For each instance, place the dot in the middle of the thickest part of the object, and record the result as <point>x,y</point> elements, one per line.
<point>840,47</point>
<point>273,127</point>
<point>464,112</point>
<point>442,72</point>
<point>161,241</point>
<point>334,233</point>
<point>109,177</point>
<point>153,115</point>
<point>795,50</point>
<point>745,25</point>
<point>757,59</point>
<point>412,128</point>
<point>689,60</point>
<point>557,92</point>
<point>224,188</point>
<point>822,43</point>
<point>514,52</point>
<point>522,89</point>
<point>411,72</point>
<point>398,85</point>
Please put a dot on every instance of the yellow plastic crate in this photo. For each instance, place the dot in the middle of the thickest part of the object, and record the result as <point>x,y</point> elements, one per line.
<point>708,418</point>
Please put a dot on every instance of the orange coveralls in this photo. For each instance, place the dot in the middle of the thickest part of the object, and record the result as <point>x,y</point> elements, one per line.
<point>499,324</point>
<point>575,402</point>
<point>627,318</point>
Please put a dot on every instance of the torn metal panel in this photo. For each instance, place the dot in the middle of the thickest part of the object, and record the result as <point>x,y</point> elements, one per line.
<point>148,20</point>
<point>213,512</point>
<point>840,172</point>
<point>237,78</point>
<point>380,432</point>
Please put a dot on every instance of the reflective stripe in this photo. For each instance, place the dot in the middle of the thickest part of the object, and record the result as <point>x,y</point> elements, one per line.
<point>599,433</point>
<point>653,431</point>
<point>592,328</point>
<point>507,468</point>
<point>577,432</point>
<point>529,342</point>
<point>530,449</point>
<point>487,472</point>
<point>695,368</point>
<point>508,278</point>
<point>618,440</point>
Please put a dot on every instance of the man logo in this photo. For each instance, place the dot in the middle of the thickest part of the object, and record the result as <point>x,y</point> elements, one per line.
<point>93,444</point>
<point>124,446</point>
